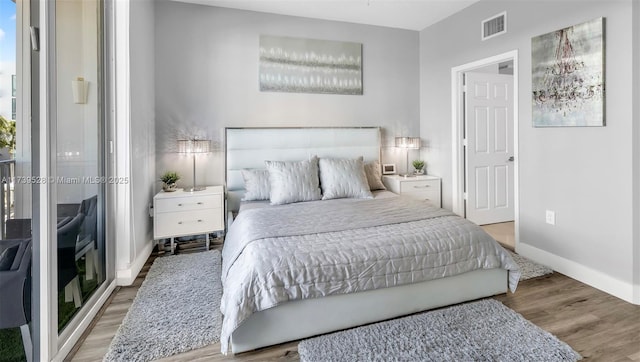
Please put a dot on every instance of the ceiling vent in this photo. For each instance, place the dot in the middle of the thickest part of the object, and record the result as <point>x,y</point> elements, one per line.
<point>494,26</point>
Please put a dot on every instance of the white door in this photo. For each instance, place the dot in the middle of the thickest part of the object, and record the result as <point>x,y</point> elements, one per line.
<point>489,151</point>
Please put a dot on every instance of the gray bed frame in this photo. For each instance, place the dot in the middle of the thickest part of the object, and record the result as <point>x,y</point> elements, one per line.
<point>249,148</point>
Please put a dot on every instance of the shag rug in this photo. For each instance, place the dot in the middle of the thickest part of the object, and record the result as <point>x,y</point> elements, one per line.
<point>485,330</point>
<point>528,268</point>
<point>177,309</point>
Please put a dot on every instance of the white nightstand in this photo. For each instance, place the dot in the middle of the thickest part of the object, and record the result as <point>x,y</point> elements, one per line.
<point>419,187</point>
<point>183,213</point>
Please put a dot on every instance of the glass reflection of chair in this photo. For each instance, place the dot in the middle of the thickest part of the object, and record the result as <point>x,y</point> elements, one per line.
<point>87,238</point>
<point>67,270</point>
<point>15,289</point>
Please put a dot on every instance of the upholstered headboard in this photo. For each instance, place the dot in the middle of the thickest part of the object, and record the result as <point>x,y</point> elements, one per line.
<point>250,147</point>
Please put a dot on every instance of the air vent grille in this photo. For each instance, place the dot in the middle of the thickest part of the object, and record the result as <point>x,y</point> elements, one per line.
<point>494,26</point>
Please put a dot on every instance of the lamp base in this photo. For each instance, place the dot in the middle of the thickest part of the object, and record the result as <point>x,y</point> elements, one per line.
<point>196,188</point>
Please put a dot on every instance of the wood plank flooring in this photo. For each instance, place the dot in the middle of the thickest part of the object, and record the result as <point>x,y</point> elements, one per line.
<point>503,232</point>
<point>600,327</point>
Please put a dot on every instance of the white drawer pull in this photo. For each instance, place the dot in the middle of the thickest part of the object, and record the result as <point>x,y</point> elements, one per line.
<point>421,187</point>
<point>197,203</point>
<point>182,222</point>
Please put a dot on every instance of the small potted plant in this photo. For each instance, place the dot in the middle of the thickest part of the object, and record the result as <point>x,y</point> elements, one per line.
<point>419,166</point>
<point>169,180</point>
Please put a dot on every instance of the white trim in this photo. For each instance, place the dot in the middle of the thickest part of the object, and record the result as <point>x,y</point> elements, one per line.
<point>584,274</point>
<point>74,336</point>
<point>635,29</point>
<point>125,248</point>
<point>43,256</point>
<point>457,125</point>
<point>126,276</point>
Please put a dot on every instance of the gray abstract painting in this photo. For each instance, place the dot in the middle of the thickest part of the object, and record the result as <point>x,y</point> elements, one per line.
<point>310,66</point>
<point>568,85</point>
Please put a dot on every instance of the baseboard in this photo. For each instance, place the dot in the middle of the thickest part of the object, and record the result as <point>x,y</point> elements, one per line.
<point>125,277</point>
<point>582,273</point>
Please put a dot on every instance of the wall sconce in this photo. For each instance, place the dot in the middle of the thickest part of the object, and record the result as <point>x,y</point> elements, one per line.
<point>79,87</point>
<point>408,143</point>
<point>194,147</point>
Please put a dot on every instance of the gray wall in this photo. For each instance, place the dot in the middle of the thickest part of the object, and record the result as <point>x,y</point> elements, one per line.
<point>207,79</point>
<point>584,174</point>
<point>143,150</point>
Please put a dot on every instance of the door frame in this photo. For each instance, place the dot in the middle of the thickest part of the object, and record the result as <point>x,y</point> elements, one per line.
<point>457,132</point>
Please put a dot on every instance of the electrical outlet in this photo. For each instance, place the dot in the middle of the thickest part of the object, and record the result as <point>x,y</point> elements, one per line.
<point>551,217</point>
<point>150,210</point>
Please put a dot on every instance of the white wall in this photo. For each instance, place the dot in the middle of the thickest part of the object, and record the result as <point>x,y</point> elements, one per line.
<point>143,118</point>
<point>207,79</point>
<point>583,174</point>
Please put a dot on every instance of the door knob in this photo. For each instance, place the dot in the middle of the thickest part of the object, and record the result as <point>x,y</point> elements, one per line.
<point>511,159</point>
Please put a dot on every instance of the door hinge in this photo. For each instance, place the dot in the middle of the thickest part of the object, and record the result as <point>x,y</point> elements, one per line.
<point>464,196</point>
<point>464,142</point>
<point>464,88</point>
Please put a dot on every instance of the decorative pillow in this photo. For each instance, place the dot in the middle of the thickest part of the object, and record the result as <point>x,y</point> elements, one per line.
<point>7,256</point>
<point>256,185</point>
<point>293,181</point>
<point>374,175</point>
<point>341,178</point>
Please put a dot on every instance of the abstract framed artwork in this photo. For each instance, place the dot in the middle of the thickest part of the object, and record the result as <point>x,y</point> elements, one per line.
<point>568,83</point>
<point>310,66</point>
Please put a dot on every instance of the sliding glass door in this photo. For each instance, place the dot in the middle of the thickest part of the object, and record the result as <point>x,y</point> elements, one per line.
<point>53,253</point>
<point>79,170</point>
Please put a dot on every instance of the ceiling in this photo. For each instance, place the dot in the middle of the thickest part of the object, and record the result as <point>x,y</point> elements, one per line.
<point>403,14</point>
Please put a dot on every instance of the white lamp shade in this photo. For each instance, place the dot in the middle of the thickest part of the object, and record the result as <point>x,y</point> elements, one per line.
<point>408,142</point>
<point>194,146</point>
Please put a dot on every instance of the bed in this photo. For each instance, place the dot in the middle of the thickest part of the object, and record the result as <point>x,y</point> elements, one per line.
<point>299,269</point>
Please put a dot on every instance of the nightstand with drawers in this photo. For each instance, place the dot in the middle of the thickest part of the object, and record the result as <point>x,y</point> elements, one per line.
<point>183,213</point>
<point>425,187</point>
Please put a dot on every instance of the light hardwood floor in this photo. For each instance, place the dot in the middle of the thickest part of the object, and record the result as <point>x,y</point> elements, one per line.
<point>504,232</point>
<point>600,327</point>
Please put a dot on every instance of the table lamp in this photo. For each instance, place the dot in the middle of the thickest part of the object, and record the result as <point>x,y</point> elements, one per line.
<point>194,147</point>
<point>408,143</point>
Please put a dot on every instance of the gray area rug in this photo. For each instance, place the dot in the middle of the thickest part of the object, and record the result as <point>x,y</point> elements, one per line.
<point>177,309</point>
<point>485,330</point>
<point>528,268</point>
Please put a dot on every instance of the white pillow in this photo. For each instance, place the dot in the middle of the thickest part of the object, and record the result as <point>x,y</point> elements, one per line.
<point>374,175</point>
<point>341,178</point>
<point>293,181</point>
<point>256,185</point>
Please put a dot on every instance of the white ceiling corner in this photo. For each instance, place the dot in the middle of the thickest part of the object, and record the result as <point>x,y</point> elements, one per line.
<point>402,14</point>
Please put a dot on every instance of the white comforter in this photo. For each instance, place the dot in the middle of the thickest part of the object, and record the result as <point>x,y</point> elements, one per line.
<point>276,254</point>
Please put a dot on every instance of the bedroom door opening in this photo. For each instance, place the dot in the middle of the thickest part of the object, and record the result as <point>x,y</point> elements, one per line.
<point>485,130</point>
